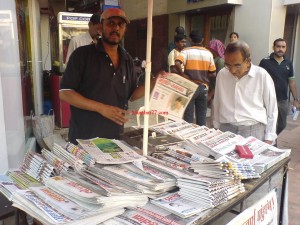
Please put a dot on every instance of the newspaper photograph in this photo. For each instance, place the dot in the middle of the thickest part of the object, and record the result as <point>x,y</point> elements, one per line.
<point>109,151</point>
<point>171,96</point>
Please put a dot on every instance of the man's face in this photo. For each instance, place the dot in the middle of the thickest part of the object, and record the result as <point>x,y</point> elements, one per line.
<point>236,64</point>
<point>94,29</point>
<point>279,48</point>
<point>233,37</point>
<point>113,30</point>
<point>181,44</point>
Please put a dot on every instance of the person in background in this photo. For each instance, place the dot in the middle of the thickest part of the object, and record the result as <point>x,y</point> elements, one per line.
<point>180,42</point>
<point>245,99</point>
<point>281,70</point>
<point>98,82</point>
<point>234,36</point>
<point>90,37</point>
<point>217,48</point>
<point>172,45</point>
<point>199,67</point>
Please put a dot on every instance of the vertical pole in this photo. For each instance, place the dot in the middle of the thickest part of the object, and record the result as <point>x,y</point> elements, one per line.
<point>147,82</point>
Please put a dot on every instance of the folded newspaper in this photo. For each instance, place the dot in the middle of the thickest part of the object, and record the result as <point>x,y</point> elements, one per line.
<point>171,96</point>
<point>109,151</point>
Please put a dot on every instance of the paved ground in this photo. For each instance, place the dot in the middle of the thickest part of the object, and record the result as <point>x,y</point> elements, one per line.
<point>290,138</point>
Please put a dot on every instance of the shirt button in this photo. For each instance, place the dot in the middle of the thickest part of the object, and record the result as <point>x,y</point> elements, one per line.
<point>114,74</point>
<point>110,64</point>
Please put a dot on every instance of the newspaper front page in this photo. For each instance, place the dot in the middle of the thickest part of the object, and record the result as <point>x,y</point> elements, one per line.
<point>171,96</point>
<point>109,151</point>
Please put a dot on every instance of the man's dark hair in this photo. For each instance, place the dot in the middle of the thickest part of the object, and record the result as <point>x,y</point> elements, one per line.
<point>196,36</point>
<point>95,18</point>
<point>232,33</point>
<point>278,40</point>
<point>179,37</point>
<point>240,46</point>
<point>179,30</point>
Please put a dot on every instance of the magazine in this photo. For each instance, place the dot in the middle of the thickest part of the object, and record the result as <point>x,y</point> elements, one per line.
<point>109,151</point>
<point>171,95</point>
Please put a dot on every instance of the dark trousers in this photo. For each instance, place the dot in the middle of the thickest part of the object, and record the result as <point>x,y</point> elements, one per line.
<point>283,108</point>
<point>199,104</point>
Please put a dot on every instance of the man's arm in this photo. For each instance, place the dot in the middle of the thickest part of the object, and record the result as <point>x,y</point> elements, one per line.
<point>270,102</point>
<point>293,88</point>
<point>140,91</point>
<point>75,99</point>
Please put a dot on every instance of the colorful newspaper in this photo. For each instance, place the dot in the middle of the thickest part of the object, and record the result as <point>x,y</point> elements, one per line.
<point>171,96</point>
<point>109,151</point>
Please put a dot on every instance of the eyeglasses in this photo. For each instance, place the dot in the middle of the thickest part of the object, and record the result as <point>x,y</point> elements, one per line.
<point>112,23</point>
<point>235,66</point>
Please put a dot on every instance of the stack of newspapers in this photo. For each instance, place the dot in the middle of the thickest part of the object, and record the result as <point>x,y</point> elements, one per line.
<point>265,155</point>
<point>152,214</point>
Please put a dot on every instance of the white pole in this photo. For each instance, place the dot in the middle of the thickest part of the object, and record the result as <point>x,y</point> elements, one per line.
<point>148,72</point>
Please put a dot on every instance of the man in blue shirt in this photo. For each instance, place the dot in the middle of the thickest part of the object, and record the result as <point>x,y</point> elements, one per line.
<point>281,70</point>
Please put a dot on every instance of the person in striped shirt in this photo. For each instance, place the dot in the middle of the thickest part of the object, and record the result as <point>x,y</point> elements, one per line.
<point>199,67</point>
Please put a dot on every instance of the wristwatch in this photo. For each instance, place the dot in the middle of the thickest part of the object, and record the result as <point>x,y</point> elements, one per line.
<point>297,99</point>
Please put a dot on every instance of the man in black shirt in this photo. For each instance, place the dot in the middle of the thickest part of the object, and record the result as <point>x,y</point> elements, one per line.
<point>281,70</point>
<point>99,80</point>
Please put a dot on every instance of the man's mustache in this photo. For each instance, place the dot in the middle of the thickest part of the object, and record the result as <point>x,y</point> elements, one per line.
<point>114,32</point>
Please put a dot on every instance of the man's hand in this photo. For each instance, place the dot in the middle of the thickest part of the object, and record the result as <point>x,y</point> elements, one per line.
<point>296,104</point>
<point>113,113</point>
<point>268,142</point>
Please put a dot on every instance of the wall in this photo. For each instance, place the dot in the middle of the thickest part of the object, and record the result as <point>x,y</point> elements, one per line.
<point>259,23</point>
<point>12,135</point>
<point>182,5</point>
<point>139,9</point>
<point>45,37</point>
<point>296,59</point>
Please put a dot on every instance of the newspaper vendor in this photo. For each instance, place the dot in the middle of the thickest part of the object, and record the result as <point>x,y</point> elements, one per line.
<point>99,80</point>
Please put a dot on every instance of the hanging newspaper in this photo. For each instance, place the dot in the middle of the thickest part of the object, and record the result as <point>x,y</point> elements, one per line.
<point>109,151</point>
<point>171,96</point>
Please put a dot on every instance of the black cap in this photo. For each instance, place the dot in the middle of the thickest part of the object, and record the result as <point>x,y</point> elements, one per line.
<point>95,18</point>
<point>196,36</point>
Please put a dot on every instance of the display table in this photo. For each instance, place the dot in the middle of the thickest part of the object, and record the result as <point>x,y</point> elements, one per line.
<point>7,210</point>
<point>251,186</point>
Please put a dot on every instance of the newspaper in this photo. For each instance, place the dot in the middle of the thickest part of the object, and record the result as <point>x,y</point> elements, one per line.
<point>265,155</point>
<point>171,96</point>
<point>109,151</point>
<point>176,204</point>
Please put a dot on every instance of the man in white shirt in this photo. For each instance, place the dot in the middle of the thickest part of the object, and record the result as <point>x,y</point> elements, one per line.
<point>245,99</point>
<point>91,36</point>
